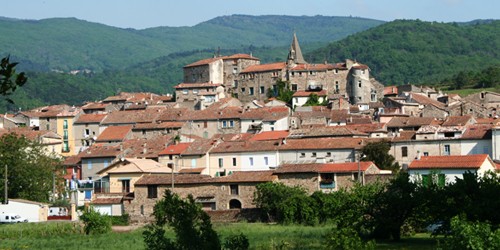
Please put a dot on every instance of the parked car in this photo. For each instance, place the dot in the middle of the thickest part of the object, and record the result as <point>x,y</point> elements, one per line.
<point>11,218</point>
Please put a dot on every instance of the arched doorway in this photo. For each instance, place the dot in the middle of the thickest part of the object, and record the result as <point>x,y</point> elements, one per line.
<point>234,204</point>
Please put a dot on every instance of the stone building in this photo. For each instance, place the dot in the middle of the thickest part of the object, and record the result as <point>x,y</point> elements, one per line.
<point>220,193</point>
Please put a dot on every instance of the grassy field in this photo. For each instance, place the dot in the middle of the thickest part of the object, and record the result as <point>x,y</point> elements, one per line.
<point>261,236</point>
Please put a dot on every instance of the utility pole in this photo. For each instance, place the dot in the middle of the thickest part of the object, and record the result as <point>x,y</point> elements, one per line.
<point>6,198</point>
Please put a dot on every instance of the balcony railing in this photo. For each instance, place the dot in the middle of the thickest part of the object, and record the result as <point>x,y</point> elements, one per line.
<point>327,185</point>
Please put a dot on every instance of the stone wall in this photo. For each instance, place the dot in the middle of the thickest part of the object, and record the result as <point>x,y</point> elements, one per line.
<point>309,181</point>
<point>256,80</point>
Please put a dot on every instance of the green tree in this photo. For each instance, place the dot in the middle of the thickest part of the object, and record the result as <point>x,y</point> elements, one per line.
<point>94,222</point>
<point>378,153</point>
<point>313,100</point>
<point>282,92</point>
<point>192,226</point>
<point>9,79</point>
<point>472,235</point>
<point>31,171</point>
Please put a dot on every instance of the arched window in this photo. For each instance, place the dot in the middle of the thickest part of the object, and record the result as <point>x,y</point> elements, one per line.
<point>234,204</point>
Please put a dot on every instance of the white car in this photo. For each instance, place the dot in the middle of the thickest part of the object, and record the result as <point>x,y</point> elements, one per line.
<point>11,218</point>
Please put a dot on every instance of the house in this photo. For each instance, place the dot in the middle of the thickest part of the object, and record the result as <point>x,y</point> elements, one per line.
<point>11,121</point>
<point>325,177</point>
<point>301,97</point>
<point>212,193</point>
<point>445,169</point>
<point>265,119</point>
<point>487,99</point>
<point>86,130</point>
<point>51,142</point>
<point>115,134</point>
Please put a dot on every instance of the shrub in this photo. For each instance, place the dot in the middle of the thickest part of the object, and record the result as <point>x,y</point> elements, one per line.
<point>122,220</point>
<point>95,223</point>
<point>472,235</point>
<point>236,242</point>
<point>346,238</point>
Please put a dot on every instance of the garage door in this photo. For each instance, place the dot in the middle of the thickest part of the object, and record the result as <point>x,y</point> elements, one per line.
<point>103,209</point>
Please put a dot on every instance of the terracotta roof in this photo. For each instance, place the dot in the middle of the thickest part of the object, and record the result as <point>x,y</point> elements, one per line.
<point>487,120</point>
<point>106,201</point>
<point>114,133</point>
<point>200,147</point>
<point>157,125</point>
<point>245,146</point>
<point>313,67</point>
<point>29,133</point>
<point>324,143</point>
<point>324,167</point>
<point>213,113</point>
<point>405,122</point>
<point>175,149</point>
<point>302,93</point>
<point>458,120</point>
<point>132,116</point>
<point>54,111</point>
<point>404,136</point>
<point>325,131</point>
<point>180,179</point>
<point>424,100</point>
<point>100,151</point>
<point>146,148</point>
<point>197,85</point>
<point>266,113</point>
<point>265,67</point>
<point>90,118</point>
<point>203,62</point>
<point>449,162</point>
<point>478,132</point>
<point>95,105</point>
<point>360,66</point>
<point>270,135</point>
<point>172,114</point>
<point>72,160</point>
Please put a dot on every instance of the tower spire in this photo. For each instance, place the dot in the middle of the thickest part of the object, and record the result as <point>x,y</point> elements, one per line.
<point>295,54</point>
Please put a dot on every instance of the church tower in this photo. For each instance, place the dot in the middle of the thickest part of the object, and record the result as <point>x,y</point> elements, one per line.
<point>295,54</point>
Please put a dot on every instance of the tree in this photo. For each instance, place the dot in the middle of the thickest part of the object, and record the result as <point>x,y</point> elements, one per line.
<point>192,226</point>
<point>95,223</point>
<point>378,153</point>
<point>282,92</point>
<point>31,172</point>
<point>313,100</point>
<point>9,80</point>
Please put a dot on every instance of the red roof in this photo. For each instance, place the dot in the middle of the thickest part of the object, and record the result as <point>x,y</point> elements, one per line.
<point>265,67</point>
<point>324,167</point>
<point>270,135</point>
<point>449,162</point>
<point>175,149</point>
<point>312,67</point>
<point>114,133</point>
<point>90,118</point>
<point>391,90</point>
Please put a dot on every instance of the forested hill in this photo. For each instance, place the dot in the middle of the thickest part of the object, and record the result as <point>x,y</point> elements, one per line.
<point>405,51</point>
<point>66,44</point>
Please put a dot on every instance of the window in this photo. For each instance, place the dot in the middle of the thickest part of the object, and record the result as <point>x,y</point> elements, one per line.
<point>89,165</point>
<point>234,162</point>
<point>336,71</point>
<point>359,84</point>
<point>205,124</point>
<point>302,155</point>
<point>195,91</point>
<point>266,160</point>
<point>152,191</point>
<point>65,134</point>
<point>426,153</point>
<point>328,154</point>
<point>125,186</point>
<point>337,86</point>
<point>294,87</point>
<point>251,91</point>
<point>65,124</point>
<point>221,162</point>
<point>234,189</point>
<point>243,90</point>
<point>87,132</point>
<point>449,134</point>
<point>447,150</point>
<point>262,90</point>
<point>106,163</point>
<point>404,151</point>
<point>47,126</point>
<point>235,70</point>
<point>313,154</point>
<point>251,161</point>
<point>374,96</point>
<point>185,91</point>
<point>235,83</point>
<point>66,146</point>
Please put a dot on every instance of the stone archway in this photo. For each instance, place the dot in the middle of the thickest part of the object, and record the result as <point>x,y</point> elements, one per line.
<point>234,204</point>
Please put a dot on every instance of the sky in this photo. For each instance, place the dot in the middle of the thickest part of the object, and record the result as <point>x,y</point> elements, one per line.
<point>140,14</point>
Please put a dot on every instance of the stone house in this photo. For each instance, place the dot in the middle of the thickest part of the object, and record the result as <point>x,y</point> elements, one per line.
<point>198,95</point>
<point>325,177</point>
<point>86,129</point>
<point>445,169</point>
<point>466,107</point>
<point>154,129</point>
<point>488,99</point>
<point>11,121</point>
<point>98,157</point>
<point>265,119</point>
<point>301,97</point>
<point>213,193</point>
<point>256,81</point>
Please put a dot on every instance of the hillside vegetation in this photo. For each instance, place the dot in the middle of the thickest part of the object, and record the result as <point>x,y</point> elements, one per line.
<point>69,44</point>
<point>405,51</point>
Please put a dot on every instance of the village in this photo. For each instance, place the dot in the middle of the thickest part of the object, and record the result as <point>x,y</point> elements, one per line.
<point>225,130</point>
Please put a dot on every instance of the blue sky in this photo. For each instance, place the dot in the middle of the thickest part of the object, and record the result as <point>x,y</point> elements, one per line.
<point>141,14</point>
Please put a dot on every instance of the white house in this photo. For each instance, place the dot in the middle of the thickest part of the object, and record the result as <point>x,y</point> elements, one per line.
<point>445,169</point>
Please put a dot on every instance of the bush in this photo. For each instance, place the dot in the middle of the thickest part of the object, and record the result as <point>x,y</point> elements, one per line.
<point>346,238</point>
<point>472,235</point>
<point>236,242</point>
<point>95,223</point>
<point>122,220</point>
